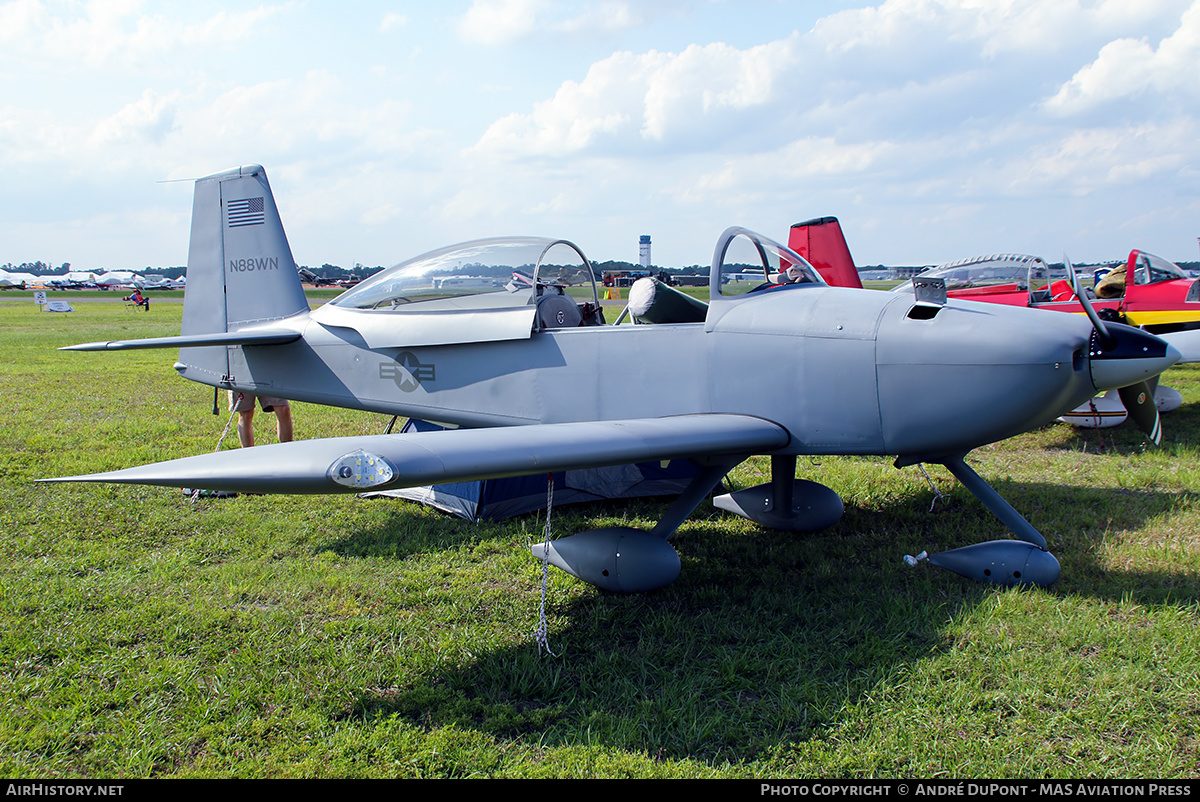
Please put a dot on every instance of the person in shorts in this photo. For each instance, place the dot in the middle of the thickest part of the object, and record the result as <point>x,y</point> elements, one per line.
<point>243,404</point>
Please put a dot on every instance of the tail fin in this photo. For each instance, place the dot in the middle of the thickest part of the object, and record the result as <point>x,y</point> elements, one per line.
<point>240,268</point>
<point>821,242</point>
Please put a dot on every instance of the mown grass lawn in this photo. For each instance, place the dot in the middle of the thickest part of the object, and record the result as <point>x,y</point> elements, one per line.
<point>143,635</point>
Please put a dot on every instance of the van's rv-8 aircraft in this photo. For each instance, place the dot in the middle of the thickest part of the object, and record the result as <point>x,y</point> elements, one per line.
<point>526,372</point>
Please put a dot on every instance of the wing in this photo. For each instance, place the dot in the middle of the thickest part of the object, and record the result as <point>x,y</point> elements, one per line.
<point>250,337</point>
<point>352,464</point>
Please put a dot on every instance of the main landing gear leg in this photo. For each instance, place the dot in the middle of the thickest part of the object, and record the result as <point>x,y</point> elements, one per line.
<point>622,559</point>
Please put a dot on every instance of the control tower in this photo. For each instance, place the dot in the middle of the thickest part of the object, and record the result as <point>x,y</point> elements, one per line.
<point>644,251</point>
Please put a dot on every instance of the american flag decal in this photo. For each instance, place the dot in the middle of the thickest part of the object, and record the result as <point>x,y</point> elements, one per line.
<point>245,212</point>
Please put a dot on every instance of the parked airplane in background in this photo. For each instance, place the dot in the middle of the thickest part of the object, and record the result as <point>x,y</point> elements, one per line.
<point>117,279</point>
<point>538,382</point>
<point>18,281</point>
<point>71,280</point>
<point>309,277</point>
<point>84,279</point>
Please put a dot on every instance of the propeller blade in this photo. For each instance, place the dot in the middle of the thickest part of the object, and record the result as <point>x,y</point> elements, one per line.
<point>1106,337</point>
<point>1139,403</point>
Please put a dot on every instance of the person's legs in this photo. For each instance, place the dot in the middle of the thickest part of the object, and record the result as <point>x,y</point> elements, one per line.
<point>283,423</point>
<point>245,427</point>
<point>244,406</point>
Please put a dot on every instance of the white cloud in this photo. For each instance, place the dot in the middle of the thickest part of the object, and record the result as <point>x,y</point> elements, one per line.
<point>35,137</point>
<point>604,17</point>
<point>496,22</point>
<point>149,118</point>
<point>928,104</point>
<point>188,134</point>
<point>696,95</point>
<point>1122,68</point>
<point>774,176</point>
<point>996,26</point>
<point>605,105</point>
<point>19,19</point>
<point>1106,159</point>
<point>893,116</point>
<point>1128,67</point>
<point>704,83</point>
<point>501,22</point>
<point>285,118</point>
<point>392,21</point>
<point>105,32</point>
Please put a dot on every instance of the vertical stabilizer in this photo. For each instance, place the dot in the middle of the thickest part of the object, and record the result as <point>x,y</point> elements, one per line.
<point>821,242</point>
<point>240,269</point>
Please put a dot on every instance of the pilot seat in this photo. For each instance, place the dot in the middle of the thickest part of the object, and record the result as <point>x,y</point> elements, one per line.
<point>557,311</point>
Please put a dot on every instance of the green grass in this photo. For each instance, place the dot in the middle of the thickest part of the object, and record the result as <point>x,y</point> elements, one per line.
<point>142,635</point>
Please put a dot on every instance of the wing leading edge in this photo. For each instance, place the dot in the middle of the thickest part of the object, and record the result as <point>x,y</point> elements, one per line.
<point>352,464</point>
<point>250,337</point>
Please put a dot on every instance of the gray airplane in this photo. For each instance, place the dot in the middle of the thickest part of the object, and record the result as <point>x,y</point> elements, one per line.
<point>499,340</point>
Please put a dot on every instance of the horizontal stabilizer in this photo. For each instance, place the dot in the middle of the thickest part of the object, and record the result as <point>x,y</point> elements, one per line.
<point>256,337</point>
<point>354,464</point>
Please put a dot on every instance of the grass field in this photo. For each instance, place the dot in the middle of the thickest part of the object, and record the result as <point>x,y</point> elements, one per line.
<point>143,635</point>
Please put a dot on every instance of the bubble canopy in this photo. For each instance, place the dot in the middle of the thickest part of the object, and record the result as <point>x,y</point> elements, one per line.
<point>502,272</point>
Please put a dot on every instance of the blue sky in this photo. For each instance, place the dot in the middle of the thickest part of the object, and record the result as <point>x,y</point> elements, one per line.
<point>934,129</point>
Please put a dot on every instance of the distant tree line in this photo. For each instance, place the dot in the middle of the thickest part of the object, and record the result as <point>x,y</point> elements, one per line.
<point>359,271</point>
<point>38,268</point>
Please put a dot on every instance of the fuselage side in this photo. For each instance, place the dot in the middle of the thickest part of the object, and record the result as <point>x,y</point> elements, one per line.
<point>845,371</point>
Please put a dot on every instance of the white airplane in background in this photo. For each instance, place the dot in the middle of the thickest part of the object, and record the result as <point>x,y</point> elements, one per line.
<point>8,279</point>
<point>72,280</point>
<point>120,278</point>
